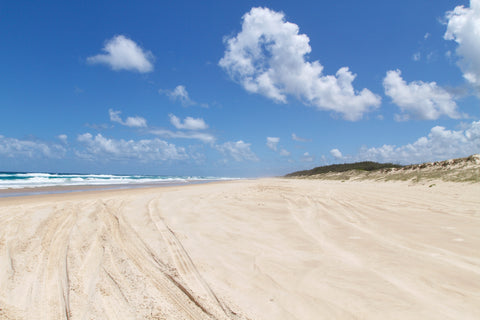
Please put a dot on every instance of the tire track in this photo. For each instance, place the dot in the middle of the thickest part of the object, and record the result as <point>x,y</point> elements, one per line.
<point>184,264</point>
<point>90,256</point>
<point>396,241</point>
<point>345,214</point>
<point>50,293</point>
<point>147,263</point>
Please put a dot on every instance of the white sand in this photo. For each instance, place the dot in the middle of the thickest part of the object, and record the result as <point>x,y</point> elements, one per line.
<point>260,249</point>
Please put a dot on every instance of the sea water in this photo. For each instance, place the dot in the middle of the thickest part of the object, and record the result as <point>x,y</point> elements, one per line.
<point>19,180</point>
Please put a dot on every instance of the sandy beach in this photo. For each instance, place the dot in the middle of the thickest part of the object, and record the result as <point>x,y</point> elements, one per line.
<point>250,249</point>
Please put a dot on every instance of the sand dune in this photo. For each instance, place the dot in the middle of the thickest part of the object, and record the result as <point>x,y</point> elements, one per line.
<point>452,170</point>
<point>259,249</point>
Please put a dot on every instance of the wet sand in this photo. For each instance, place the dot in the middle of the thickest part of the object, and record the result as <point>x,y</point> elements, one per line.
<point>256,249</point>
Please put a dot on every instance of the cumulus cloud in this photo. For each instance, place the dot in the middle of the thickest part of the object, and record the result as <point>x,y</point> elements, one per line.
<point>268,57</point>
<point>100,147</point>
<point>188,123</point>
<point>463,27</point>
<point>284,152</point>
<point>272,143</point>
<point>129,122</point>
<point>439,144</point>
<point>15,148</point>
<point>336,154</point>
<point>418,99</point>
<point>239,150</point>
<point>167,134</point>
<point>122,53</point>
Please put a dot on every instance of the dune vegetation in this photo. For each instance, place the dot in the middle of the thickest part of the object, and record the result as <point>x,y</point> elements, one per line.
<point>454,170</point>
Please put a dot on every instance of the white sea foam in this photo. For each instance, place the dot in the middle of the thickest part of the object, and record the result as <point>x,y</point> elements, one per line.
<point>32,180</point>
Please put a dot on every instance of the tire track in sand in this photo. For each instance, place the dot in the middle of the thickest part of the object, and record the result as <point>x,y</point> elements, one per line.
<point>185,266</point>
<point>316,219</point>
<point>147,263</point>
<point>50,293</point>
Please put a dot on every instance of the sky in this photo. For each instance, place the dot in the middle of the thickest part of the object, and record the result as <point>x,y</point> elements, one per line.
<point>236,88</point>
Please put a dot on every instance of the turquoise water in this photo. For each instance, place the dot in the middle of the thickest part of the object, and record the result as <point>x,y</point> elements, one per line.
<point>18,180</point>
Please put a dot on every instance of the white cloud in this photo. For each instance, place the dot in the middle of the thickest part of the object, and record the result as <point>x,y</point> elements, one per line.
<point>239,150</point>
<point>336,154</point>
<point>307,157</point>
<point>135,122</point>
<point>416,56</point>
<point>122,53</point>
<point>63,138</point>
<point>439,144</point>
<point>180,93</point>
<point>129,122</point>
<point>297,138</point>
<point>202,136</point>
<point>272,143</point>
<point>418,99</point>
<point>115,116</point>
<point>268,57</point>
<point>189,123</point>
<point>14,148</point>
<point>463,27</point>
<point>99,147</point>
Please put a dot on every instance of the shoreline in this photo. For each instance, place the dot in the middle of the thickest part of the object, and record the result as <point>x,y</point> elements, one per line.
<point>47,190</point>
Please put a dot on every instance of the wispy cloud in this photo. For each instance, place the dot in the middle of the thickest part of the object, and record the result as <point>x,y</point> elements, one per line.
<point>307,157</point>
<point>180,94</point>
<point>63,138</point>
<point>239,150</point>
<point>202,136</point>
<point>98,127</point>
<point>268,57</point>
<point>272,143</point>
<point>418,99</point>
<point>129,122</point>
<point>15,148</point>
<point>299,139</point>
<point>78,90</point>
<point>122,53</point>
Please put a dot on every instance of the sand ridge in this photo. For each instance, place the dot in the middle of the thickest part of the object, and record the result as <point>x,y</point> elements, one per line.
<point>256,249</point>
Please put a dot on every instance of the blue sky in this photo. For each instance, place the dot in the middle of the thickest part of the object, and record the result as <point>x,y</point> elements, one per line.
<point>237,88</point>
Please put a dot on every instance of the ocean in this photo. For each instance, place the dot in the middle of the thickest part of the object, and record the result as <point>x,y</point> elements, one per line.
<point>19,180</point>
